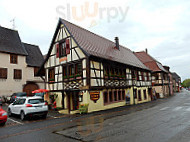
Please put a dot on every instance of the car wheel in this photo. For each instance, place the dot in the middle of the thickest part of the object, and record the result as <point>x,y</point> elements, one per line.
<point>9,112</point>
<point>22,115</point>
<point>2,124</point>
<point>44,116</point>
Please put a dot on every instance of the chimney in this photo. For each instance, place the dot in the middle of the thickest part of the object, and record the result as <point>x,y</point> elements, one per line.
<point>146,50</point>
<point>117,43</point>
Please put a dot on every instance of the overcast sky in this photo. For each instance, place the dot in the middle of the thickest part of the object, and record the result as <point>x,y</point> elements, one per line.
<point>161,26</point>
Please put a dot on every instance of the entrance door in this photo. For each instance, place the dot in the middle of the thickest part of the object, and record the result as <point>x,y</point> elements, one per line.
<point>150,93</point>
<point>73,100</point>
<point>28,88</point>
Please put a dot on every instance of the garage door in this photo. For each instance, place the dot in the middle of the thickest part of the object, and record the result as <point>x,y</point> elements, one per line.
<point>28,88</point>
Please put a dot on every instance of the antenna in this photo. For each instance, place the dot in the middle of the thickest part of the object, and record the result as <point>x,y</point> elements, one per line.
<point>13,21</point>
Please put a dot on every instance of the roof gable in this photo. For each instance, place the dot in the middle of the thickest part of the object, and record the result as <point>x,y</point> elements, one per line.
<point>150,62</point>
<point>10,42</point>
<point>35,57</point>
<point>98,46</point>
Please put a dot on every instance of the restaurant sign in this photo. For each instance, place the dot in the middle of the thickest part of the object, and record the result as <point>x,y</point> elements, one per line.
<point>94,96</point>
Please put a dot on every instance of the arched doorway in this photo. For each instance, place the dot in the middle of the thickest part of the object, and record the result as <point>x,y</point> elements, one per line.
<point>29,87</point>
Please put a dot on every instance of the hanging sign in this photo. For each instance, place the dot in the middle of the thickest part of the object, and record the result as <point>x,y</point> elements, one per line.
<point>94,96</point>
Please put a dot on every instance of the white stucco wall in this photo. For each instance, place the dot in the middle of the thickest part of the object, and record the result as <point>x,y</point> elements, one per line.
<point>10,85</point>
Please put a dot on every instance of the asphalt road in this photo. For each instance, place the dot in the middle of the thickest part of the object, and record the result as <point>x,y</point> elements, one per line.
<point>164,120</point>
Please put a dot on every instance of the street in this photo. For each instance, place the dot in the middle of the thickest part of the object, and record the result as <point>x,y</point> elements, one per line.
<point>163,120</point>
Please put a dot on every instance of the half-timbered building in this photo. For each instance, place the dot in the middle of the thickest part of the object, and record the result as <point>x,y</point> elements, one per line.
<point>160,78</point>
<point>85,68</point>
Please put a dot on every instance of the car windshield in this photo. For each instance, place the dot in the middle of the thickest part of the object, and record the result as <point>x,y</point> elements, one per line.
<point>35,101</point>
<point>22,94</point>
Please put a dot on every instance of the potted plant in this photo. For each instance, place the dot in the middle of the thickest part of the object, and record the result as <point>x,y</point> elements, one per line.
<point>65,78</point>
<point>83,108</point>
<point>71,77</point>
<point>78,76</point>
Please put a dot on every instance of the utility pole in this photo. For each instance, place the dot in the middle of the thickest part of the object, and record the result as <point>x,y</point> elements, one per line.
<point>13,23</point>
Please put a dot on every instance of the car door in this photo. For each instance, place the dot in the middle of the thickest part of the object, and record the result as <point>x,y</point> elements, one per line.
<point>14,105</point>
<point>19,106</point>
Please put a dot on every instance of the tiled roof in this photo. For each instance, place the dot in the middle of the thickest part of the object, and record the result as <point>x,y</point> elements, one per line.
<point>35,57</point>
<point>176,76</point>
<point>101,47</point>
<point>150,62</point>
<point>10,42</point>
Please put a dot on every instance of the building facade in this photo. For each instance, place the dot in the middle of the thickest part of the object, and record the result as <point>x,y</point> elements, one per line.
<point>160,79</point>
<point>84,68</point>
<point>17,64</point>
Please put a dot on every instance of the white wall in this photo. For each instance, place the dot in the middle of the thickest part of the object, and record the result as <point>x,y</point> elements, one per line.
<point>10,85</point>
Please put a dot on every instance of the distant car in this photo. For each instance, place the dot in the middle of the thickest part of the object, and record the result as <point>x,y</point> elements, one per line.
<point>28,107</point>
<point>40,95</point>
<point>3,116</point>
<point>15,96</point>
<point>1,103</point>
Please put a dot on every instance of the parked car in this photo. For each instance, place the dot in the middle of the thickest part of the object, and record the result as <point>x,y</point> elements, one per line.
<point>15,96</point>
<point>28,107</point>
<point>1,103</point>
<point>3,116</point>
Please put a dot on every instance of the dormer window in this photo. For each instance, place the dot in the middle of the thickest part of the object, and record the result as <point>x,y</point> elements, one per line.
<point>13,59</point>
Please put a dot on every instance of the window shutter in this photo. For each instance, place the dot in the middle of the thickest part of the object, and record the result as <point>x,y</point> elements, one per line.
<point>67,46</point>
<point>57,50</point>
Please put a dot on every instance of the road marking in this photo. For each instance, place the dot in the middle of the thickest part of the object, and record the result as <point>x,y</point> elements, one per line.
<point>15,121</point>
<point>52,116</point>
<point>164,108</point>
<point>177,108</point>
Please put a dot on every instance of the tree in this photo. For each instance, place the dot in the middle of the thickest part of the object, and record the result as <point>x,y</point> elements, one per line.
<point>186,83</point>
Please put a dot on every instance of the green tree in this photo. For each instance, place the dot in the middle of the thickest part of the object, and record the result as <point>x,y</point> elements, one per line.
<point>186,83</point>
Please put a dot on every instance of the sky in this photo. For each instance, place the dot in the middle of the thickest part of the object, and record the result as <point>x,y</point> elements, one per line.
<point>160,26</point>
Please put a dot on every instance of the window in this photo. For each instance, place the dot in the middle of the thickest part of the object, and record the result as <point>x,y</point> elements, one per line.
<point>142,75</point>
<point>123,95</point>
<point>71,70</point>
<point>105,97</point>
<point>139,95</point>
<point>17,74</point>
<point>137,75</point>
<point>13,58</point>
<point>36,70</point>
<point>133,74</point>
<point>119,95</point>
<point>62,49</point>
<point>147,76</point>
<point>145,94</point>
<point>78,68</point>
<point>51,74</point>
<point>64,72</point>
<point>110,96</point>
<point>115,95</point>
<point>135,93</point>
<point>3,73</point>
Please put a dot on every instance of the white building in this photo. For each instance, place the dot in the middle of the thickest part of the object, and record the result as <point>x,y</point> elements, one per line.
<point>18,64</point>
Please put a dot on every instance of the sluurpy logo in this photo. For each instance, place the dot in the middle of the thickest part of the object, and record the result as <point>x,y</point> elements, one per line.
<point>92,12</point>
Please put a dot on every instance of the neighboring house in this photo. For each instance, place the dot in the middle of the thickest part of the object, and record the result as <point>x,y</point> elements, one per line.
<point>84,68</point>
<point>18,64</point>
<point>176,82</point>
<point>170,80</point>
<point>160,81</point>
